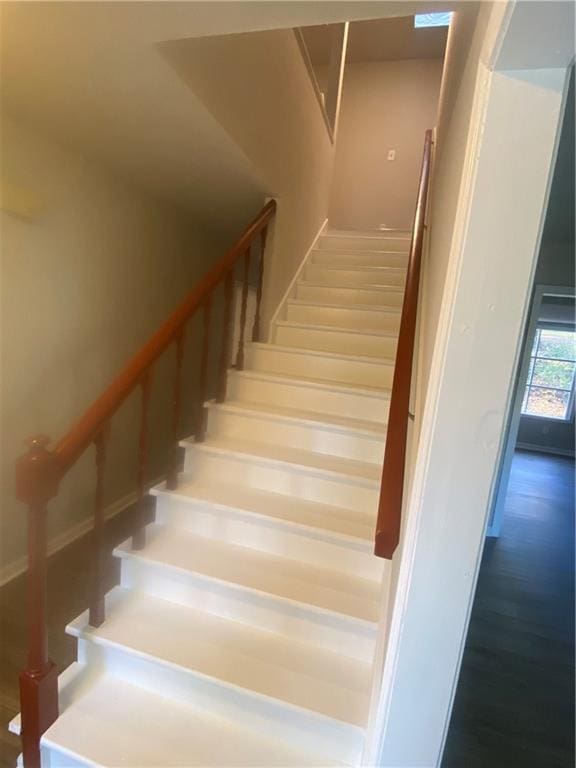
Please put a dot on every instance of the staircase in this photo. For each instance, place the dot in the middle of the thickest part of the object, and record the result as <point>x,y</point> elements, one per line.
<point>243,633</point>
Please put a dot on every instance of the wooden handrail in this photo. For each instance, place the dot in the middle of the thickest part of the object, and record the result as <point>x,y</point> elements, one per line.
<point>392,485</point>
<point>40,470</point>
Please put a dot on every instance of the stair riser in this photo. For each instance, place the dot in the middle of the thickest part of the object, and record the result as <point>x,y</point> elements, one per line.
<point>265,535</point>
<point>350,296</point>
<point>354,405</point>
<point>315,273</point>
<point>320,735</point>
<point>331,369</point>
<point>362,258</point>
<point>353,319</point>
<point>261,610</point>
<point>318,438</point>
<point>350,242</point>
<point>336,341</point>
<point>285,479</point>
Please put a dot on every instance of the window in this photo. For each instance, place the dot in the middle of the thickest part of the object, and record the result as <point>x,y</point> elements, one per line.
<point>432,20</point>
<point>550,382</point>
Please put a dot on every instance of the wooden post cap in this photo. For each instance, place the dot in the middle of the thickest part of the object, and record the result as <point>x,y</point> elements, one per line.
<point>37,472</point>
<point>38,443</point>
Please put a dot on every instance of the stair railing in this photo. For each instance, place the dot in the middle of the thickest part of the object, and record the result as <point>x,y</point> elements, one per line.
<point>40,470</point>
<point>392,485</point>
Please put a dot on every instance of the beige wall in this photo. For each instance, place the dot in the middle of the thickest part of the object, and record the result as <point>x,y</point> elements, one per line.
<point>84,284</point>
<point>462,62</point>
<point>258,88</point>
<point>385,105</point>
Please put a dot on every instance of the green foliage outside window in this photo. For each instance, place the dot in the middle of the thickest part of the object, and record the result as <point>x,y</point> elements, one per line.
<point>551,374</point>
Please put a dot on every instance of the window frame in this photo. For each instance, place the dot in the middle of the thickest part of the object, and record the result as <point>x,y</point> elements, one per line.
<point>567,418</point>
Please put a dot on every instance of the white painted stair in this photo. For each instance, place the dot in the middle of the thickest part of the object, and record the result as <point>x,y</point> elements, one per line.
<point>244,633</point>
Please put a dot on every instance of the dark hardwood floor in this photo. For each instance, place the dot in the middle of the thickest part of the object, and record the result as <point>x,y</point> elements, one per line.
<point>515,699</point>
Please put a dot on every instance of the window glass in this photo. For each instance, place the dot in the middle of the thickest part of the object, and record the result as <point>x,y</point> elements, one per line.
<point>548,403</point>
<point>557,344</point>
<point>551,374</point>
<point>432,19</point>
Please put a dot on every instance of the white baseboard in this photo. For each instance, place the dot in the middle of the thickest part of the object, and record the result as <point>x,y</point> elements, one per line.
<point>544,449</point>
<point>20,565</point>
<point>294,280</point>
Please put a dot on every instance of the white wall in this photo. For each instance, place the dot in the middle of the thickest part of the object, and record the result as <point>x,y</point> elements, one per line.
<point>495,151</point>
<point>84,284</point>
<point>258,88</point>
<point>385,105</point>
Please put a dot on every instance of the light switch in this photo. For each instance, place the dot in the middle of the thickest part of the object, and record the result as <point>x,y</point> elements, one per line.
<point>391,154</point>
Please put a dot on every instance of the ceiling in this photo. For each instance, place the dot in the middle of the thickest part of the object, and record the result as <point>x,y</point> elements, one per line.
<point>539,35</point>
<point>92,76</point>
<point>379,40</point>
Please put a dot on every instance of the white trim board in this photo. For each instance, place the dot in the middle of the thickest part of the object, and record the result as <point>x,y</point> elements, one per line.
<point>20,565</point>
<point>294,280</point>
<point>320,97</point>
<point>545,449</point>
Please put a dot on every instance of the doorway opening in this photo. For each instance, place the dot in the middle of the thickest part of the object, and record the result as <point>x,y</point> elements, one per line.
<point>542,415</point>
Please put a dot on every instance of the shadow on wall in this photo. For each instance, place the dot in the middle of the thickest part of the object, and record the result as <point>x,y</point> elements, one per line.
<point>257,86</point>
<point>86,280</point>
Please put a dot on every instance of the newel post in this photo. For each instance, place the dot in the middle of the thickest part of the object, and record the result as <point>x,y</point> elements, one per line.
<point>37,480</point>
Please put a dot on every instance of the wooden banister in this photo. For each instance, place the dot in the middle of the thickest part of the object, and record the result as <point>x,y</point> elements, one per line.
<point>40,470</point>
<point>392,485</point>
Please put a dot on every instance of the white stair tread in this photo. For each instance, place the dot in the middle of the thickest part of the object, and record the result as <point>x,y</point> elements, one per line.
<point>260,572</point>
<point>114,723</point>
<point>378,269</point>
<point>374,234</point>
<point>383,310</point>
<point>338,329</point>
<point>300,512</point>
<point>391,245</point>
<point>272,347</point>
<point>339,423</point>
<point>376,246</point>
<point>382,288</point>
<point>339,386</point>
<point>348,469</point>
<point>239,655</point>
